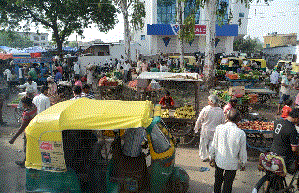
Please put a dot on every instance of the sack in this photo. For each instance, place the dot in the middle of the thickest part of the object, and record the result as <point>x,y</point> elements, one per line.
<point>274,163</point>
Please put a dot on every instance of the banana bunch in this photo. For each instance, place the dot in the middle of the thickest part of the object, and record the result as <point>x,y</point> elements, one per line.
<point>186,112</point>
<point>165,113</point>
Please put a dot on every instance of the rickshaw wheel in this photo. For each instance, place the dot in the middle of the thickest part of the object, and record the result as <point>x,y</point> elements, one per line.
<point>179,187</point>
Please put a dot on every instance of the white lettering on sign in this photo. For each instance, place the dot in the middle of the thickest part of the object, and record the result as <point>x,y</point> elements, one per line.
<point>278,128</point>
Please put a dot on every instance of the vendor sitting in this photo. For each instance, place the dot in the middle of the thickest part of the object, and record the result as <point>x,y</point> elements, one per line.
<point>230,105</point>
<point>167,101</point>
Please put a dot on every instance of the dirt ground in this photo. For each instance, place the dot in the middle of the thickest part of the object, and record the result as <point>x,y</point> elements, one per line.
<point>12,178</point>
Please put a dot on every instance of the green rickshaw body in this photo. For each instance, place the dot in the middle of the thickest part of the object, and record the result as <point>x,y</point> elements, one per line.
<point>41,176</point>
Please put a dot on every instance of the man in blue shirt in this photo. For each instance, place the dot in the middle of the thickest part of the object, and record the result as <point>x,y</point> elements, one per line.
<point>58,76</point>
<point>43,74</point>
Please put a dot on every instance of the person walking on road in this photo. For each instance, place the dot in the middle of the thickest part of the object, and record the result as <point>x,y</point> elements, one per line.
<point>28,114</point>
<point>227,149</point>
<point>285,91</point>
<point>209,118</point>
<point>42,102</point>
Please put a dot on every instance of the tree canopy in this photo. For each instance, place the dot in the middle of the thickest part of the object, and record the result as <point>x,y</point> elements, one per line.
<point>63,17</point>
<point>248,45</point>
<point>14,40</point>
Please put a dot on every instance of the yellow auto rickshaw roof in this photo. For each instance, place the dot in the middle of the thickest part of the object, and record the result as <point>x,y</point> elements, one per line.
<point>92,115</point>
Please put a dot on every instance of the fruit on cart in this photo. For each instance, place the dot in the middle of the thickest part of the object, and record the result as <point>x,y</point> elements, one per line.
<point>186,112</point>
<point>165,113</point>
<point>257,125</point>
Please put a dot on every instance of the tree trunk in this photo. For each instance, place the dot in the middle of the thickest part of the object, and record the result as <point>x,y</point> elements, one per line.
<point>59,43</point>
<point>208,71</point>
<point>181,39</point>
<point>127,34</point>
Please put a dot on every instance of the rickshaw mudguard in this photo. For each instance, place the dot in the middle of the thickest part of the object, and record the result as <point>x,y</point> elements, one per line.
<point>160,176</point>
<point>180,174</point>
<point>46,181</point>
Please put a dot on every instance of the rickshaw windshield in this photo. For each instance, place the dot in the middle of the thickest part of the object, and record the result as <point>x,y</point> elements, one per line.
<point>159,140</point>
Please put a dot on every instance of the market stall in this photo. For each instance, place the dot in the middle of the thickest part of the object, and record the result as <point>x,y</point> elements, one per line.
<point>263,94</point>
<point>181,118</point>
<point>259,134</point>
<point>110,88</point>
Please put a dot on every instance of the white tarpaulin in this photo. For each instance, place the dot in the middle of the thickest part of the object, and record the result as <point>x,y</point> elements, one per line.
<point>170,76</point>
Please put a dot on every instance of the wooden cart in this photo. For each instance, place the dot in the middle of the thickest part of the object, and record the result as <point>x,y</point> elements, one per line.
<point>182,128</point>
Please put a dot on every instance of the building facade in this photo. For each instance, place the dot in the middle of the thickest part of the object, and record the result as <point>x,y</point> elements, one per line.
<point>277,40</point>
<point>39,39</point>
<point>160,33</point>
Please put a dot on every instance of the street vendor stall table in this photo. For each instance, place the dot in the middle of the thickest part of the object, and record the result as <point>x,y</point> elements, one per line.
<point>179,127</point>
<point>259,134</point>
<point>236,82</point>
<point>110,92</point>
<point>264,94</point>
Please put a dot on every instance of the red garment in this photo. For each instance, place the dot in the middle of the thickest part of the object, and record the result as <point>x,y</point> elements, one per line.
<point>29,114</point>
<point>78,83</point>
<point>167,102</point>
<point>286,111</point>
<point>59,68</point>
<point>83,79</point>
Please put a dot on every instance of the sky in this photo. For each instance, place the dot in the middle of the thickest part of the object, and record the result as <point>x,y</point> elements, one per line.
<point>281,16</point>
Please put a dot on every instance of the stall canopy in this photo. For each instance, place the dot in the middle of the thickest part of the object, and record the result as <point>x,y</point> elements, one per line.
<point>5,56</point>
<point>169,76</point>
<point>84,114</point>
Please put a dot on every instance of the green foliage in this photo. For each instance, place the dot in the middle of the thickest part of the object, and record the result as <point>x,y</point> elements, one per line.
<point>248,45</point>
<point>14,40</point>
<point>138,15</point>
<point>63,17</point>
<point>187,30</point>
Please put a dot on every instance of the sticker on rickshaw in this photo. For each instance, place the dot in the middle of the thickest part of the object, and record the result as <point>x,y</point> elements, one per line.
<point>52,156</point>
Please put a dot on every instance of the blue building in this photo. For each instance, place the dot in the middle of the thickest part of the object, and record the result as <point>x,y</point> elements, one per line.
<point>160,33</point>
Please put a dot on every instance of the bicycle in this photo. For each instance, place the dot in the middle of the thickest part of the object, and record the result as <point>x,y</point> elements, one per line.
<point>277,183</point>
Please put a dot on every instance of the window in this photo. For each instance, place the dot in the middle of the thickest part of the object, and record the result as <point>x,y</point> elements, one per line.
<point>241,15</point>
<point>36,38</point>
<point>166,11</point>
<point>142,37</point>
<point>191,8</point>
<point>42,38</point>
<point>159,140</point>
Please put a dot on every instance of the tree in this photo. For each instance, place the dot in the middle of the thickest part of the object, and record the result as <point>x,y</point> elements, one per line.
<point>248,45</point>
<point>133,13</point>
<point>214,9</point>
<point>14,40</point>
<point>63,17</point>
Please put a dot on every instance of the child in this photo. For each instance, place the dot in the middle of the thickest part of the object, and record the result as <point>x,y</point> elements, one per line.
<point>286,109</point>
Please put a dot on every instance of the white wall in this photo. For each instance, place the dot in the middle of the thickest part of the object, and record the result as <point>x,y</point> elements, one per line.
<point>237,7</point>
<point>282,50</point>
<point>115,52</point>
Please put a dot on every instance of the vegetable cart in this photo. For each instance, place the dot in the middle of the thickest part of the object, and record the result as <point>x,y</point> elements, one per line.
<point>264,94</point>
<point>18,110</point>
<point>180,121</point>
<point>259,134</point>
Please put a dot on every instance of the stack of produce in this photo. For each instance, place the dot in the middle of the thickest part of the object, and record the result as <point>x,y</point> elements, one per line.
<point>223,95</point>
<point>257,125</point>
<point>106,81</point>
<point>186,112</point>
<point>133,84</point>
<point>165,113</point>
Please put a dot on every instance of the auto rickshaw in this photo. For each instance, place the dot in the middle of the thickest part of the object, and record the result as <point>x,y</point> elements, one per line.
<point>261,63</point>
<point>89,145</point>
<point>282,63</point>
<point>231,63</point>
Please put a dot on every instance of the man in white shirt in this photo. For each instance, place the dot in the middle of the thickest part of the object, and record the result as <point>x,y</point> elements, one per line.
<point>21,78</point>
<point>42,102</point>
<point>274,80</point>
<point>227,150</point>
<point>76,69</point>
<point>284,91</point>
<point>127,66</point>
<point>209,118</point>
<point>31,86</point>
<point>8,74</point>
